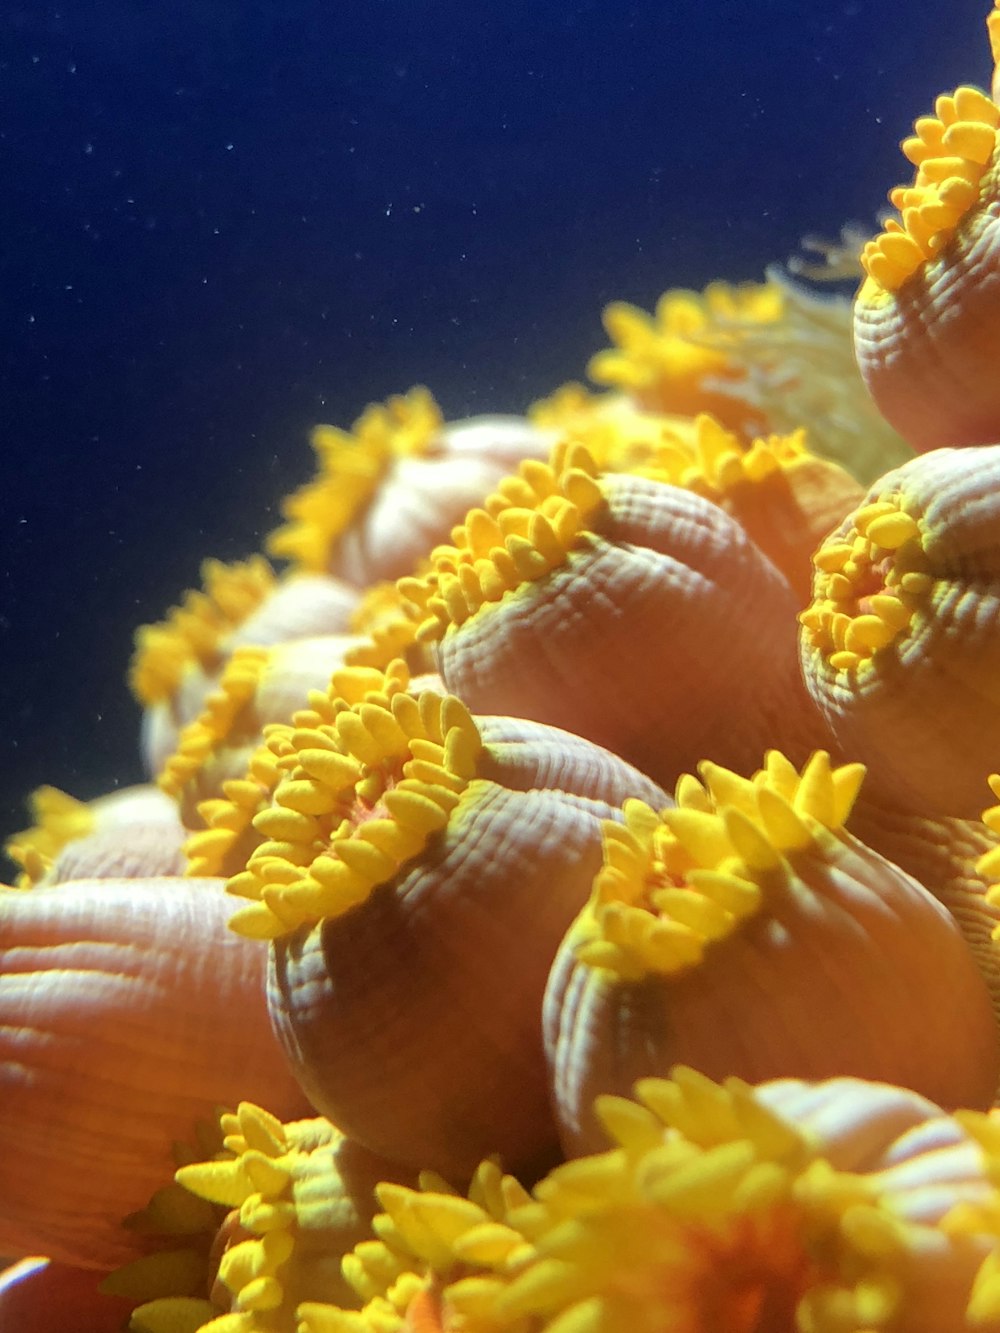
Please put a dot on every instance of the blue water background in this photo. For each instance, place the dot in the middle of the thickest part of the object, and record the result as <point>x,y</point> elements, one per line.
<point>222,222</point>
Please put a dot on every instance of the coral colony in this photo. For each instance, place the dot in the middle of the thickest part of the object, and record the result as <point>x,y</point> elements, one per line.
<point>562,901</point>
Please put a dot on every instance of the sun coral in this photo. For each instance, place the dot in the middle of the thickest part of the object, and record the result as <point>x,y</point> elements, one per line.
<point>39,1296</point>
<point>386,631</point>
<point>436,1261</point>
<point>841,1205</point>
<point>301,1196</point>
<point>987,869</point>
<point>128,834</point>
<point>969,1219</point>
<point>901,645</point>
<point>257,688</point>
<point>127,1011</point>
<point>951,858</point>
<point>926,332</point>
<point>392,486</point>
<point>178,663</point>
<point>623,609</point>
<point>665,363</point>
<point>787,1206</point>
<point>299,606</point>
<point>419,869</point>
<point>228,837</point>
<point>746,932</point>
<point>193,631</point>
<point>784,495</point>
<point>411,847</point>
<point>179,1232</point>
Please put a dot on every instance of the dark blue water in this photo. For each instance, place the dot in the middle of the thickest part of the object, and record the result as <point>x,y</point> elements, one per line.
<point>222,222</point>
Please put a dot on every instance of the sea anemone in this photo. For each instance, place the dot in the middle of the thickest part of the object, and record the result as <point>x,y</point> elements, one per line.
<point>760,358</point>
<point>800,372</point>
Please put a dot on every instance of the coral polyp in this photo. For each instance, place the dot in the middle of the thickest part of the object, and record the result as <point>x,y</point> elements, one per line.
<point>562,901</point>
<point>926,331</point>
<point>899,646</point>
<point>743,930</point>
